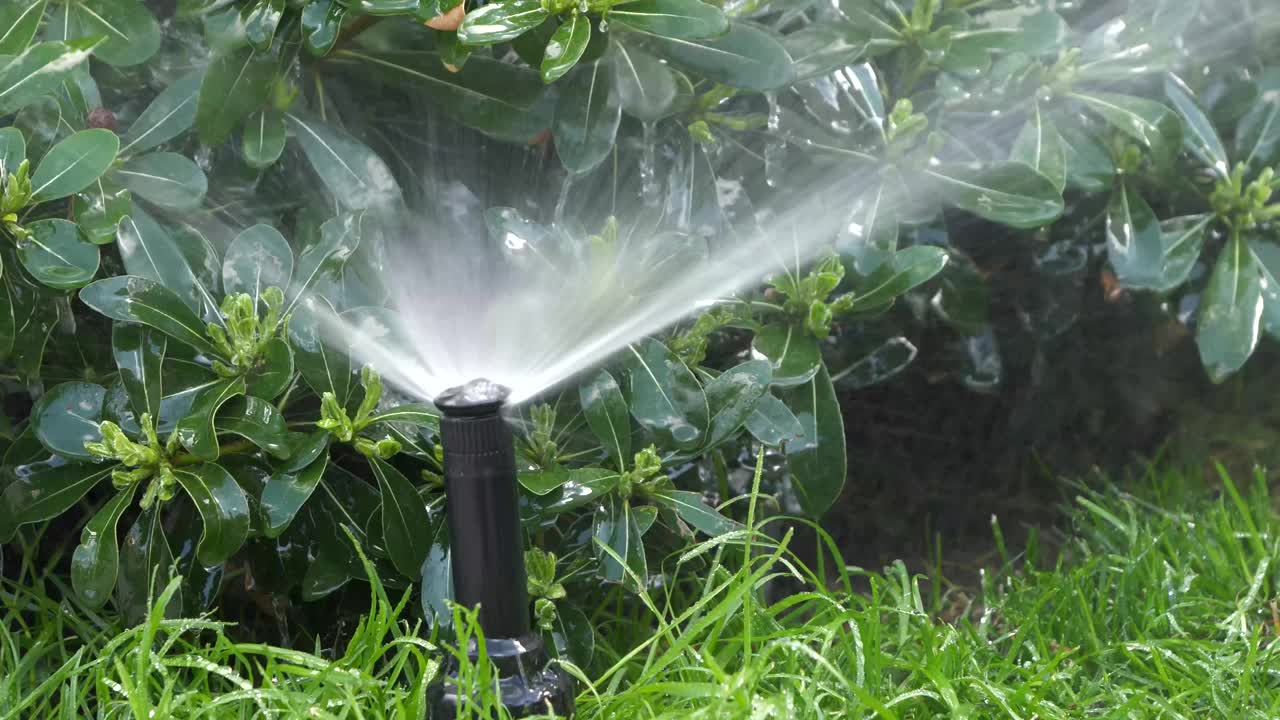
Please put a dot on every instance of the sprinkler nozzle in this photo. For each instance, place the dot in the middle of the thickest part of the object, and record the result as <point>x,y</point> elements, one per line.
<point>487,553</point>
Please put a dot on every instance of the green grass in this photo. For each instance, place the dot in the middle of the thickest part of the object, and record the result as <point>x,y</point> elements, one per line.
<point>1157,602</point>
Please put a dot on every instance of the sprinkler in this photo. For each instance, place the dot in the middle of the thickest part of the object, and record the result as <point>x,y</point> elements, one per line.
<point>488,555</point>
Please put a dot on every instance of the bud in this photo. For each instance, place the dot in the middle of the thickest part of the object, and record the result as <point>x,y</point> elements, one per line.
<point>102,118</point>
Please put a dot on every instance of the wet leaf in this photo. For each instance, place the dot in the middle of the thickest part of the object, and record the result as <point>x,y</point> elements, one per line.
<point>19,21</point>
<point>733,396</point>
<point>96,560</point>
<point>13,148</point>
<point>170,114</point>
<point>404,519</point>
<point>46,490</point>
<point>39,71</point>
<point>1040,147</point>
<point>261,22</point>
<point>772,422</point>
<point>684,19</point>
<point>606,412</point>
<point>132,33</point>
<point>150,251</point>
<point>819,48</point>
<point>565,47</point>
<point>696,512</point>
<point>791,350</point>
<point>437,581</point>
<point>544,481</point>
<point>146,562</point>
<point>322,24</point>
<point>355,175</point>
<point>501,21</point>
<point>1089,166</point>
<point>58,255</point>
<point>67,417</point>
<point>1147,121</point>
<point>1012,194</point>
<point>325,368</point>
<point>422,415</point>
<point>257,259</point>
<point>73,164</point>
<point>665,396</point>
<point>339,239</point>
<point>616,529</point>
<point>237,83</point>
<point>223,509</point>
<point>747,57</point>
<point>272,372</point>
<point>165,179</point>
<point>909,269</point>
<point>99,210</point>
<point>646,87</point>
<point>817,460</point>
<point>1230,320</point>
<point>196,430</point>
<point>587,118</point>
<point>139,353</point>
<point>1199,137</point>
<point>1257,140</point>
<point>584,486</point>
<point>264,139</point>
<point>286,492</point>
<point>257,421</point>
<point>1134,244</point>
<point>135,299</point>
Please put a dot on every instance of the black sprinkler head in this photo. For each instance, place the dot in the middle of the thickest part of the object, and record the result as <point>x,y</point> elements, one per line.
<point>487,554</point>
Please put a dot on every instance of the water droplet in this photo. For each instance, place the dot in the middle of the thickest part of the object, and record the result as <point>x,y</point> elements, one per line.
<point>604,25</point>
<point>648,167</point>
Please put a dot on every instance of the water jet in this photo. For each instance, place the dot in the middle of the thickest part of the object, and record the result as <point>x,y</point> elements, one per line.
<point>488,554</point>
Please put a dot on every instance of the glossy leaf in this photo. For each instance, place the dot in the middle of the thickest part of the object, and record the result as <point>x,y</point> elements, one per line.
<point>1089,167</point>
<point>286,492</point>
<point>732,397</point>
<point>139,353</point>
<point>437,581</point>
<point>196,431</point>
<point>684,19</point>
<point>819,48</point>
<point>1040,147</point>
<point>587,118</point>
<point>1230,321</point>
<point>306,448</point>
<point>165,179</point>
<point>339,239</point>
<point>665,396</point>
<point>134,299</point>
<point>908,269</point>
<point>574,637</point>
<point>772,422</point>
<point>584,486</point>
<point>1149,122</point>
<point>150,251</point>
<point>13,148</point>
<point>99,210</point>
<point>170,114</point>
<point>223,509</point>
<point>44,491</point>
<point>261,22</point>
<point>544,480</point>
<point>237,83</point>
<point>1135,241</point>
<point>747,57</point>
<point>132,33</point>
<point>565,47</point>
<point>73,164</point>
<point>67,417</point>
<point>257,421</point>
<point>325,368</point>
<point>501,21</point>
<point>1257,140</point>
<point>404,519</point>
<point>422,415</point>
<point>1012,194</point>
<point>272,372</point>
<point>791,350</point>
<point>145,565</point>
<point>646,87</point>
<point>58,255</point>
<point>38,71</point>
<point>264,139</point>
<point>355,175</point>
<point>18,24</point>
<point>257,259</point>
<point>696,512</point>
<point>616,528</point>
<point>1199,137</point>
<point>321,24</point>
<point>606,412</point>
<point>96,560</point>
<point>817,460</point>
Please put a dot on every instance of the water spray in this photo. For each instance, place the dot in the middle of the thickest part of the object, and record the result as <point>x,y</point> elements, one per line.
<point>488,554</point>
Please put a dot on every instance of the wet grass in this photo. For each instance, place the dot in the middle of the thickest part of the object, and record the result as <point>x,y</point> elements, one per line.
<point>1160,601</point>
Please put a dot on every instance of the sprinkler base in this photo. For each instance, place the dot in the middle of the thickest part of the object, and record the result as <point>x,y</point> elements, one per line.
<point>529,683</point>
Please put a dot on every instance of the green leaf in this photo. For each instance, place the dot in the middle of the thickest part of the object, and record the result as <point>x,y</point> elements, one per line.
<point>257,421</point>
<point>322,24</point>
<point>1089,167</point>
<point>132,33</point>
<point>96,560</point>
<point>545,480</point>
<point>67,417</point>
<point>257,259</point>
<point>13,148</point>
<point>606,411</point>
<point>909,268</point>
<point>325,368</point>
<point>354,174</point>
<point>820,48</point>
<point>306,448</point>
<point>272,372</point>
<point>404,519</point>
<point>732,398</point>
<point>565,47</point>
<point>286,493</point>
<point>150,252</point>
<point>792,351</point>
<point>584,486</point>
<point>57,254</point>
<point>339,239</point>
<point>73,164</point>
<point>223,509</point>
<point>261,22</point>
<point>1012,194</point>
<point>139,353</point>
<point>772,422</point>
<point>145,566</point>
<point>44,491</point>
<point>437,581</point>
<point>1230,320</point>
<point>264,139</point>
<point>1147,121</point>
<point>685,19</point>
<point>1182,239</point>
<point>1257,139</point>
<point>134,299</point>
<point>501,21</point>
<point>165,179</point>
<point>747,57</point>
<point>237,83</point>
<point>665,396</point>
<point>817,460</point>
<point>616,529</point>
<point>19,21</point>
<point>196,431</point>
<point>646,87</point>
<point>1040,147</point>
<point>697,513</point>
<point>99,210</point>
<point>587,118</point>
<point>423,415</point>
<point>38,71</point>
<point>1199,137</point>
<point>1135,244</point>
<point>574,637</point>
<point>170,114</point>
